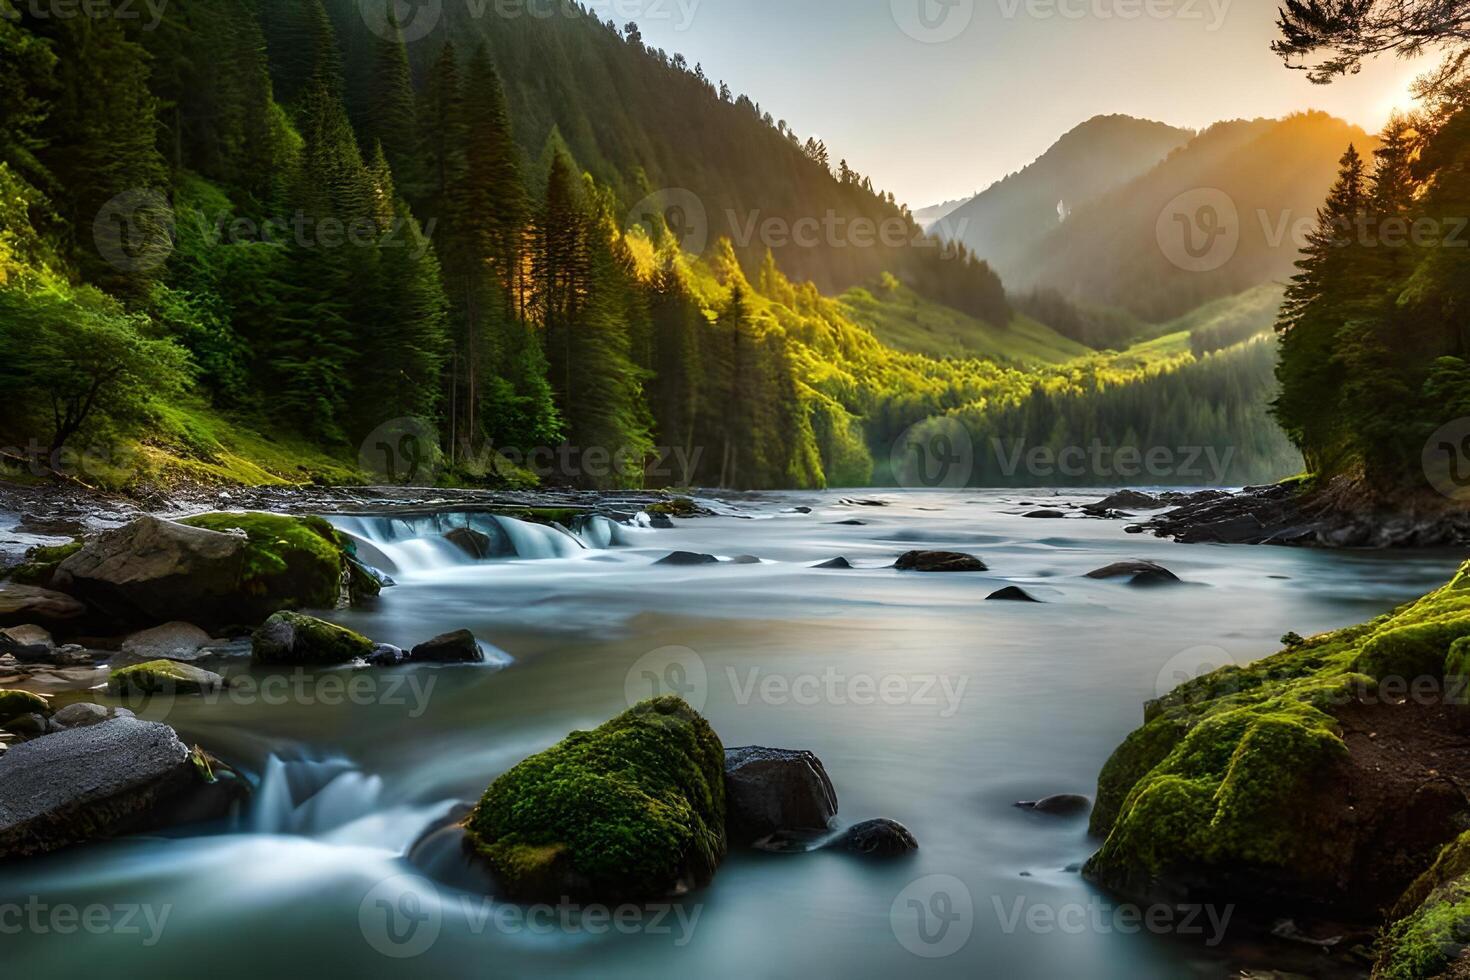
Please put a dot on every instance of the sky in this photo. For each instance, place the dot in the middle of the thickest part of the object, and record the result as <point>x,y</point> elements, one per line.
<point>937,99</point>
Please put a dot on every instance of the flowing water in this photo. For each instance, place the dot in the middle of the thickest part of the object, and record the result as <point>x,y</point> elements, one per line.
<point>927,704</point>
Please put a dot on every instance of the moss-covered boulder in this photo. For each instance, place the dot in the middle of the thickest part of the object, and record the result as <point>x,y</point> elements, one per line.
<point>632,810</point>
<point>1306,781</point>
<point>1428,935</point>
<point>215,570</point>
<point>290,639</point>
<point>41,563</point>
<point>13,704</point>
<point>163,677</point>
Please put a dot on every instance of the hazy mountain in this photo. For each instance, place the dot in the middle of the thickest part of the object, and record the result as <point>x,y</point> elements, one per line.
<point>926,217</point>
<point>1221,215</point>
<point>1001,224</point>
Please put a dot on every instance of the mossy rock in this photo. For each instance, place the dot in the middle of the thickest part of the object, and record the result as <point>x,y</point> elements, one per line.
<point>40,563</point>
<point>163,677</point>
<point>1429,930</point>
<point>291,639</point>
<point>1234,787</point>
<point>633,810</point>
<point>13,704</point>
<point>676,507</point>
<point>296,561</point>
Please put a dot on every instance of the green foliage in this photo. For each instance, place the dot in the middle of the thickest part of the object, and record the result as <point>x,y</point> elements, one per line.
<point>626,811</point>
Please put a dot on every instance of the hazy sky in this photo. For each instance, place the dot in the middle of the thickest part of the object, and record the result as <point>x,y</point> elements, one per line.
<point>936,99</point>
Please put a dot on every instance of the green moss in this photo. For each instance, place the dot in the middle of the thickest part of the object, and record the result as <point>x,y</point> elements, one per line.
<point>291,639</point>
<point>565,516</point>
<point>41,562</point>
<point>13,704</point>
<point>675,507</point>
<point>1224,772</point>
<point>296,560</point>
<point>162,677</point>
<point>1424,944</point>
<point>622,812</point>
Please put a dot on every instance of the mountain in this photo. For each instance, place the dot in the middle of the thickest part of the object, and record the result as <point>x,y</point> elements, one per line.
<point>1224,213</point>
<point>1002,224</point>
<point>930,216</point>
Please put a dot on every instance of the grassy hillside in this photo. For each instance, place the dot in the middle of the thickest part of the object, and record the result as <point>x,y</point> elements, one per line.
<point>905,321</point>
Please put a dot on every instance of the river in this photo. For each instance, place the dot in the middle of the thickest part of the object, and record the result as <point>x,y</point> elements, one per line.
<point>927,704</point>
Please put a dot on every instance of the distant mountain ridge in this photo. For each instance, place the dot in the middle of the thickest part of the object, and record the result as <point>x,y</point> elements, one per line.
<point>1002,224</point>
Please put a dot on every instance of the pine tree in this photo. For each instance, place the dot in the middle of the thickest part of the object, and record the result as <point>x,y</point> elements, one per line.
<point>392,118</point>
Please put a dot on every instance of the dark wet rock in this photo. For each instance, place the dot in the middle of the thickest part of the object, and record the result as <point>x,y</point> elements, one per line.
<point>14,704</point>
<point>857,502</point>
<point>1134,529</point>
<point>163,677</point>
<point>1062,805</point>
<point>172,641</point>
<point>73,655</point>
<point>25,604</point>
<point>1012,593</point>
<point>660,522</point>
<point>27,644</point>
<point>119,777</point>
<point>291,639</point>
<point>940,561</point>
<point>471,542</point>
<point>441,855</point>
<point>1046,515</point>
<point>1125,500</point>
<point>854,522</point>
<point>687,558</point>
<point>835,563</point>
<point>387,655</point>
<point>459,647</point>
<point>1138,572</point>
<point>876,838</point>
<point>80,715</point>
<point>745,560</point>
<point>33,725</point>
<point>797,510</point>
<point>770,791</point>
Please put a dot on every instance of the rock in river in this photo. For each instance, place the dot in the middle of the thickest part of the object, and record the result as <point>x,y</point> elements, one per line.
<point>940,561</point>
<point>1137,572</point>
<point>22,604</point>
<point>687,558</point>
<point>459,647</point>
<point>14,704</point>
<point>1061,805</point>
<point>122,776</point>
<point>163,677</point>
<point>633,810</point>
<point>876,838</point>
<point>774,790</point>
<point>1012,593</point>
<point>291,639</point>
<point>27,644</point>
<point>171,641</point>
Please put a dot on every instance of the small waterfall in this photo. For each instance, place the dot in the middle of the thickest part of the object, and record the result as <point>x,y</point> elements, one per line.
<point>332,801</point>
<point>422,543</point>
